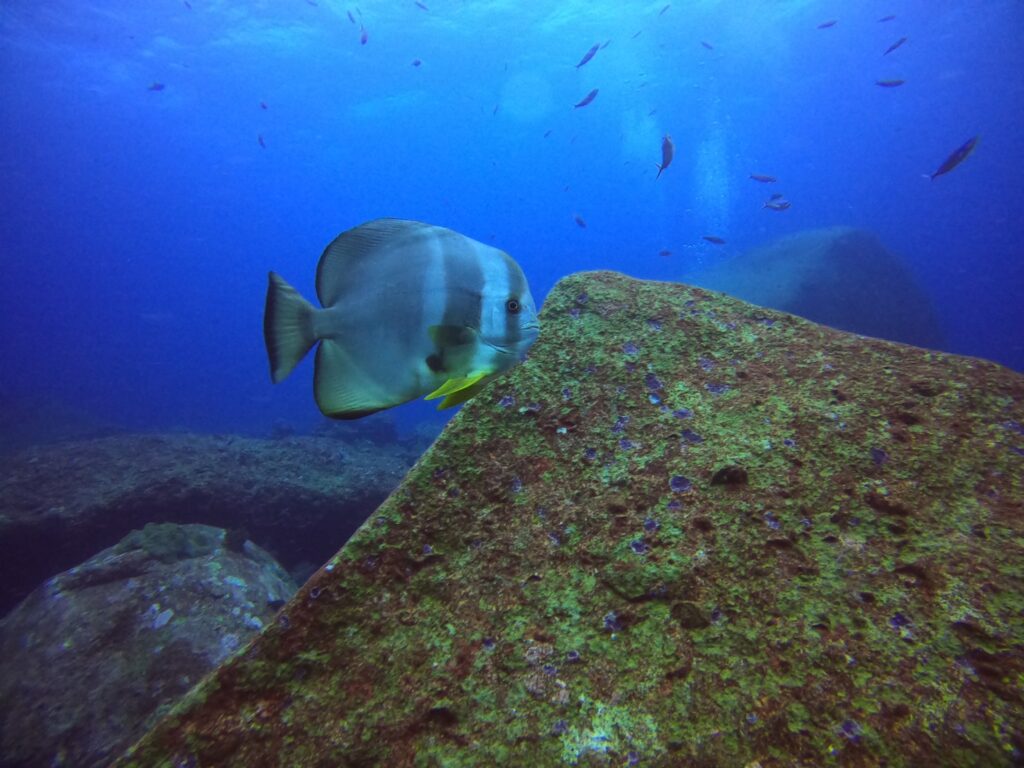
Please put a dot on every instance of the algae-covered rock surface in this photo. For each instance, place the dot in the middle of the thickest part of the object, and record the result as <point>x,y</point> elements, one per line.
<point>98,652</point>
<point>299,497</point>
<point>687,531</point>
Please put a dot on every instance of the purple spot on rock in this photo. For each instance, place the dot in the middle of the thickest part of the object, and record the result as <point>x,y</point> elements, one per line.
<point>517,485</point>
<point>716,388</point>
<point>789,442</point>
<point>690,436</point>
<point>850,730</point>
<point>630,348</point>
<point>679,484</point>
<point>507,401</point>
<point>572,657</point>
<point>560,727</point>
<point>1018,451</point>
<point>654,325</point>
<point>611,622</point>
<point>632,758</point>
<point>898,621</point>
<point>620,424</point>
<point>652,381</point>
<point>651,525</point>
<point>879,456</point>
<point>625,444</point>
<point>488,643</point>
<point>674,505</point>
<point>542,512</point>
<point>716,615</point>
<point>1014,426</point>
<point>574,313</point>
<point>590,454</point>
<point>566,393</point>
<point>427,549</point>
<point>583,298</point>
<point>682,413</point>
<point>553,538</point>
<point>706,363</point>
<point>766,321</point>
<point>550,670</point>
<point>751,718</point>
<point>772,521</point>
<point>638,547</point>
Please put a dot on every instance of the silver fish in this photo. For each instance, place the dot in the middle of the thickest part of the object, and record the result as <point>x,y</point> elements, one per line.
<point>409,309</point>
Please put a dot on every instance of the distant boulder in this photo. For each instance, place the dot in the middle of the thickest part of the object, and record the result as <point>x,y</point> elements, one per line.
<point>95,655</point>
<point>300,497</point>
<point>841,277</point>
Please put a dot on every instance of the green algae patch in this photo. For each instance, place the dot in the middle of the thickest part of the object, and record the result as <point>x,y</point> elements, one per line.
<point>687,531</point>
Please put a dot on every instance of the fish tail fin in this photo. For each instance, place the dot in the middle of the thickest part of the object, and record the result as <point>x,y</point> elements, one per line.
<point>287,327</point>
<point>660,168</point>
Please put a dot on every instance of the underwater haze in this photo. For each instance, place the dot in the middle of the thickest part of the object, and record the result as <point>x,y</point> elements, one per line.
<point>159,158</point>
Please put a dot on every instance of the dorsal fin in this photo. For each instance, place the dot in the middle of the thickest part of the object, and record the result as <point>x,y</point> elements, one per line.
<point>336,262</point>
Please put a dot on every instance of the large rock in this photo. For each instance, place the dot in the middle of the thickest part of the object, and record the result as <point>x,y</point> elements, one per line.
<point>98,652</point>
<point>688,531</point>
<point>841,276</point>
<point>299,497</point>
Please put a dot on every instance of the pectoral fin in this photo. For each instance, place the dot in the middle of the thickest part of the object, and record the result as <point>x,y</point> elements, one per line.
<point>456,391</point>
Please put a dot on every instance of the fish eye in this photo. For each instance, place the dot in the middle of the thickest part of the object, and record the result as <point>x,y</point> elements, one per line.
<point>513,306</point>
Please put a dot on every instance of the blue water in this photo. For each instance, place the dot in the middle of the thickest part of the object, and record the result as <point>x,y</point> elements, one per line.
<point>138,225</point>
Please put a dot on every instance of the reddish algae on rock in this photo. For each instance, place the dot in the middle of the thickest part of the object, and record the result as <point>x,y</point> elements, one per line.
<point>687,531</point>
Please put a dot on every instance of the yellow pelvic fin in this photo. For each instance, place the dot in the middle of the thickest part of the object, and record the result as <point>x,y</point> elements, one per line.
<point>455,391</point>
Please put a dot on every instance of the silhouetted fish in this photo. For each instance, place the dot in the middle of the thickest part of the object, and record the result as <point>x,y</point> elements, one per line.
<point>894,46</point>
<point>890,83</point>
<point>961,154</point>
<point>547,133</point>
<point>155,87</point>
<point>709,46</point>
<point>586,99</point>
<point>579,221</point>
<point>588,55</point>
<point>662,11</point>
<point>827,24</point>
<point>664,252</point>
<point>363,36</point>
<point>351,17</point>
<point>777,204</point>
<point>259,138</point>
<point>714,239</point>
<point>887,18</point>
<point>263,105</point>
<point>421,6</point>
<point>668,151</point>
<point>636,34</point>
<point>188,5</point>
<point>763,178</point>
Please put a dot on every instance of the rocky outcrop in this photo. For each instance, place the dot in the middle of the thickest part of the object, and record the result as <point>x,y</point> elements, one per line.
<point>841,276</point>
<point>99,651</point>
<point>299,497</point>
<point>687,531</point>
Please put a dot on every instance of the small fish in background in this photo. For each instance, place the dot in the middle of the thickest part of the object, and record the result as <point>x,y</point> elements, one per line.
<point>547,133</point>
<point>668,151</point>
<point>155,87</point>
<point>894,46</point>
<point>890,83</point>
<point>636,34</point>
<point>313,3</point>
<point>579,220</point>
<point>259,138</point>
<point>420,5</point>
<point>351,17</point>
<point>763,178</point>
<point>777,203</point>
<point>263,105</point>
<point>586,99</point>
<point>409,310</point>
<point>887,18</point>
<point>495,110</point>
<point>664,252</point>
<point>707,45</point>
<point>827,24</point>
<point>188,5</point>
<point>663,10</point>
<point>363,36</point>
<point>713,239</point>
<point>606,43</point>
<point>649,114</point>
<point>959,155</point>
<point>588,55</point>
<point>416,62</point>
